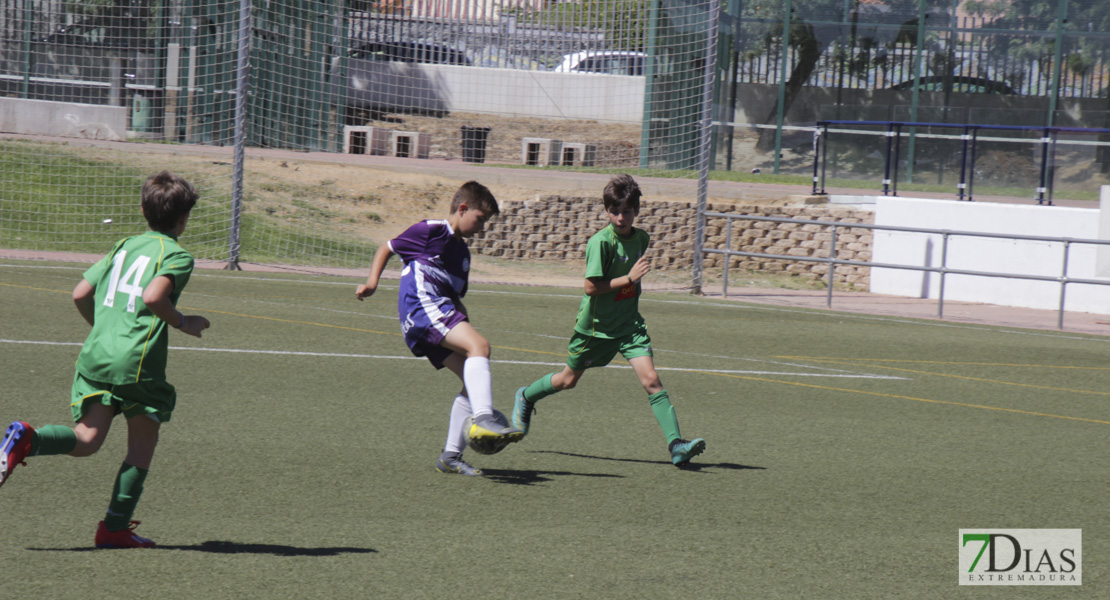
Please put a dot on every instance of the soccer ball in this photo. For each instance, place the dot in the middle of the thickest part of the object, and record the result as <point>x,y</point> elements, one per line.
<point>486,446</point>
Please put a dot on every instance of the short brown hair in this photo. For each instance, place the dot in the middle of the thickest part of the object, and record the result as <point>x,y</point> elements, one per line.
<point>165,199</point>
<point>475,196</point>
<point>621,191</point>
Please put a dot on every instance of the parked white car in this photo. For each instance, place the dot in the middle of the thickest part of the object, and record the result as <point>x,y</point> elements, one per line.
<point>609,62</point>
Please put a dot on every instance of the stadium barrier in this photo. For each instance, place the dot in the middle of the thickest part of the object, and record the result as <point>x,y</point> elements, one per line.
<point>832,259</point>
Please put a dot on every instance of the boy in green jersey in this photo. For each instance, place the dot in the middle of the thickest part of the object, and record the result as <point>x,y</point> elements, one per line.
<point>609,320</point>
<point>129,298</point>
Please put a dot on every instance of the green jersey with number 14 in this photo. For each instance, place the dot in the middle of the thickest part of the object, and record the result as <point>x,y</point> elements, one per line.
<point>128,343</point>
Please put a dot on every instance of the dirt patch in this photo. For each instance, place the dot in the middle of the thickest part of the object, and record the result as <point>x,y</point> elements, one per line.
<point>377,204</point>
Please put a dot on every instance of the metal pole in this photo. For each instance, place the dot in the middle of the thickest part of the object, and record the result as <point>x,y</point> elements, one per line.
<point>971,165</point>
<point>824,156</point>
<point>787,17</point>
<point>816,155</point>
<point>28,14</point>
<point>897,157</point>
<point>1045,139</point>
<point>886,166</point>
<point>734,10</point>
<point>728,257</point>
<point>915,96</point>
<point>832,268</point>
<point>649,84</point>
<point>943,272</point>
<point>962,185</point>
<point>1057,61</point>
<point>1051,175</point>
<point>706,141</point>
<point>1063,285</point>
<point>242,71</point>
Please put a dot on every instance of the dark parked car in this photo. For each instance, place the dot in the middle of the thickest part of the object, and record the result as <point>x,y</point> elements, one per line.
<point>383,77</point>
<point>412,52</point>
<point>960,84</point>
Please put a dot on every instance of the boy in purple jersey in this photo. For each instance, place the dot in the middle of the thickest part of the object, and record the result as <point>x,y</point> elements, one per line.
<point>434,319</point>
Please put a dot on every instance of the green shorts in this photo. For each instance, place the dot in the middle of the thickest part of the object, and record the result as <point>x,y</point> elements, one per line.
<point>155,399</point>
<point>587,351</point>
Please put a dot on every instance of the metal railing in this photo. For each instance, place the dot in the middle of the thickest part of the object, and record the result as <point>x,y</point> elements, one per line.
<point>943,270</point>
<point>969,138</point>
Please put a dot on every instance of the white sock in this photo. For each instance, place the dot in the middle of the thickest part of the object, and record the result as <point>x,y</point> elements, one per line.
<point>456,436</point>
<point>479,386</point>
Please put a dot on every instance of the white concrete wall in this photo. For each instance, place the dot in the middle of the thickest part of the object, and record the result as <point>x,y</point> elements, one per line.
<point>541,93</point>
<point>40,117</point>
<point>1102,266</point>
<point>989,255</point>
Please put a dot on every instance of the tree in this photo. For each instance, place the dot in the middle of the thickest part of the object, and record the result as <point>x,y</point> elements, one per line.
<point>818,26</point>
<point>1080,51</point>
<point>623,21</point>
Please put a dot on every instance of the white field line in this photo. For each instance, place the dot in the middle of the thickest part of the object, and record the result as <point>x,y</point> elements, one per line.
<point>718,304</point>
<point>839,375</point>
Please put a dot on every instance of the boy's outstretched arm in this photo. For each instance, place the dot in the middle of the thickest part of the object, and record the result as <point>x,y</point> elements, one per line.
<point>597,286</point>
<point>377,265</point>
<point>156,296</point>
<point>84,297</point>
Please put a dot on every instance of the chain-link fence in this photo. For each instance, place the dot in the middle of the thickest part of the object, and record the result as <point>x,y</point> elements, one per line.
<point>1020,63</point>
<point>669,88</point>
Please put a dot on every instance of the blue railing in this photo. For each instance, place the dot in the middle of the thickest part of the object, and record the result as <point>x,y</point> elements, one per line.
<point>969,137</point>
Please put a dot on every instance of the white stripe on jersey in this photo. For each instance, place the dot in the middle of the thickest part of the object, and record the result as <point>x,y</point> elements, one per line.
<point>427,301</point>
<point>456,283</point>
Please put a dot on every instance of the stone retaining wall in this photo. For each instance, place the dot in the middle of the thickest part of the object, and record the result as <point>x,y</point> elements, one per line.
<point>556,228</point>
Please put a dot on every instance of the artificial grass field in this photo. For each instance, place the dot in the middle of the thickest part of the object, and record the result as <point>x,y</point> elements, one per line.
<point>844,453</point>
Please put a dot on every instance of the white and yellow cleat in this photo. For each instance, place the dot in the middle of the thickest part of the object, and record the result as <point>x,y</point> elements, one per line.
<point>493,429</point>
<point>453,463</point>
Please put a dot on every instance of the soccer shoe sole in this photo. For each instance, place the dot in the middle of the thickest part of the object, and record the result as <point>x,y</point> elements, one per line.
<point>696,448</point>
<point>478,432</point>
<point>521,409</point>
<point>111,546</point>
<point>12,436</point>
<point>442,467</point>
<point>128,539</point>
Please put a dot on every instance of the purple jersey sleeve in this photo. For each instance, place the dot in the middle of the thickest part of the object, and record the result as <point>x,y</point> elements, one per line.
<point>411,243</point>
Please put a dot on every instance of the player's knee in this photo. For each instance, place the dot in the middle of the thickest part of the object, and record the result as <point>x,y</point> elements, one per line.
<point>567,381</point>
<point>87,445</point>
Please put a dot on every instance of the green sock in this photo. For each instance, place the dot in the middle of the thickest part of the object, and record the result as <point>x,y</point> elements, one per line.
<point>664,413</point>
<point>49,440</point>
<point>125,495</point>
<point>540,389</point>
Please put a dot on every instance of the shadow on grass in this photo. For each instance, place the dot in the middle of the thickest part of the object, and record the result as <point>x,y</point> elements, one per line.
<point>690,467</point>
<point>217,547</point>
<point>518,477</point>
